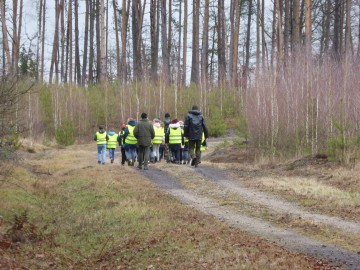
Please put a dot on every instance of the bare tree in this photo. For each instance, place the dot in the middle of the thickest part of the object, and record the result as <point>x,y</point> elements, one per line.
<point>5,40</point>
<point>295,42</point>
<point>136,35</point>
<point>103,72</point>
<point>54,57</point>
<point>235,43</point>
<point>221,41</point>
<point>195,62</point>
<point>205,45</point>
<point>77,51</point>
<point>308,32</point>
<point>124,12</point>
<point>164,44</point>
<point>153,38</point>
<point>91,41</point>
<point>86,37</point>
<point>183,77</point>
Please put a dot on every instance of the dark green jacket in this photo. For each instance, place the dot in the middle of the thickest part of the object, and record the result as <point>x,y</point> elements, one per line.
<point>144,132</point>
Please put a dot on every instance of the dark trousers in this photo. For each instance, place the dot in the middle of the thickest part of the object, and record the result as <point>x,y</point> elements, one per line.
<point>194,149</point>
<point>123,155</point>
<point>144,155</point>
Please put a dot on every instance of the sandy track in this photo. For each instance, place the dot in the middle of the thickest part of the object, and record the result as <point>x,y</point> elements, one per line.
<point>284,237</point>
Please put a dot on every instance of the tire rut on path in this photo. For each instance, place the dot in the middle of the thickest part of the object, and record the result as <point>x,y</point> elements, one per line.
<point>273,202</point>
<point>283,237</point>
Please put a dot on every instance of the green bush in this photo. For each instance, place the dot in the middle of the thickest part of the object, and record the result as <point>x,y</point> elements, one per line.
<point>64,134</point>
<point>216,124</point>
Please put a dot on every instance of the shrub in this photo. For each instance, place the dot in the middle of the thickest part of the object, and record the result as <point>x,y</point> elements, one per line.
<point>64,134</point>
<point>216,124</point>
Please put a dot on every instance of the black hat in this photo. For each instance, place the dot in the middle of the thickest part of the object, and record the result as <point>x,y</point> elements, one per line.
<point>194,107</point>
<point>167,114</point>
<point>143,115</point>
<point>101,127</point>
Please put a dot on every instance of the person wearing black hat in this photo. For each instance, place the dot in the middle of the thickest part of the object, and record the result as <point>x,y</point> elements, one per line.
<point>144,132</point>
<point>194,127</point>
<point>101,138</point>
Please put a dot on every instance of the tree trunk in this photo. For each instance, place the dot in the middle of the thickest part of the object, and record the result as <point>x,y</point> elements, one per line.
<point>5,40</point>
<point>39,39</point>
<point>247,60</point>
<point>86,37</point>
<point>77,52</point>
<point>178,82</point>
<point>43,42</point>
<point>295,33</point>
<point>124,14</point>
<point>55,48</point>
<point>136,34</point>
<point>273,35</point>
<point>103,70</point>
<point>263,41</point>
<point>337,30</point>
<point>91,41</point>
<point>221,42</point>
<point>308,31</point>
<point>69,43</point>
<point>286,30</point>
<point>348,28</point>
<point>326,28</point>
<point>235,44</point>
<point>195,43</point>
<point>153,38</point>
<point>205,46</point>
<point>63,40</point>
<point>164,45</point>
<point>98,39</point>
<point>183,77</point>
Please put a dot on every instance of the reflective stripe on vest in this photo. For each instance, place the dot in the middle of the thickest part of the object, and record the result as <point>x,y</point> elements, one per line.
<point>159,135</point>
<point>130,138</point>
<point>202,148</point>
<point>175,136</point>
<point>101,138</point>
<point>111,143</point>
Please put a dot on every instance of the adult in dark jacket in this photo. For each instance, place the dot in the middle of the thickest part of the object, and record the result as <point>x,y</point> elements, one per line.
<point>121,142</point>
<point>144,133</point>
<point>166,149</point>
<point>194,126</point>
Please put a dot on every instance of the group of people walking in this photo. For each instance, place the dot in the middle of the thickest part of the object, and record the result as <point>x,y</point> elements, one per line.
<point>145,141</point>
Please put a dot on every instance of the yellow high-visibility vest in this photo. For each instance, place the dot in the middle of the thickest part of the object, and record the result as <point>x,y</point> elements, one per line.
<point>101,138</point>
<point>111,143</point>
<point>175,136</point>
<point>159,135</point>
<point>130,138</point>
<point>202,148</point>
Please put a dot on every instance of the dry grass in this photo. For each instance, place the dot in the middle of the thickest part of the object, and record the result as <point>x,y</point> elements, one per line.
<point>109,217</point>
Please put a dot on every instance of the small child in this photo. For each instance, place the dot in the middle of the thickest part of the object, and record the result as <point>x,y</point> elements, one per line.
<point>111,144</point>
<point>101,138</point>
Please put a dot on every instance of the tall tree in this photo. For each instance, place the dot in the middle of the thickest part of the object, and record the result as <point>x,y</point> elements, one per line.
<point>195,62</point>
<point>221,42</point>
<point>41,4</point>
<point>348,28</point>
<point>336,31</point>
<point>183,76</point>
<point>164,44</point>
<point>178,82</point>
<point>248,35</point>
<point>124,13</point>
<point>235,43</point>
<point>205,45</point>
<point>5,40</point>
<point>103,45</point>
<point>286,29</point>
<point>91,41</point>
<point>295,32</point>
<point>86,38</point>
<point>43,42</point>
<point>54,56</point>
<point>136,35</point>
<point>77,51</point>
<point>16,34</point>
<point>69,45</point>
<point>153,37</point>
<point>308,32</point>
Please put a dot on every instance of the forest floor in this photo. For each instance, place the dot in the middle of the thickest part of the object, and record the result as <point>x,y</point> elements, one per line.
<point>234,212</point>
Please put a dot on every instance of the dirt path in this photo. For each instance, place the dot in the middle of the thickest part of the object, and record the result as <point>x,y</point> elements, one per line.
<point>287,238</point>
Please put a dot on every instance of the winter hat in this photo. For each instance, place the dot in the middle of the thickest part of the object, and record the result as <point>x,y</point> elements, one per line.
<point>167,114</point>
<point>194,107</point>
<point>101,127</point>
<point>175,121</point>
<point>144,115</point>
